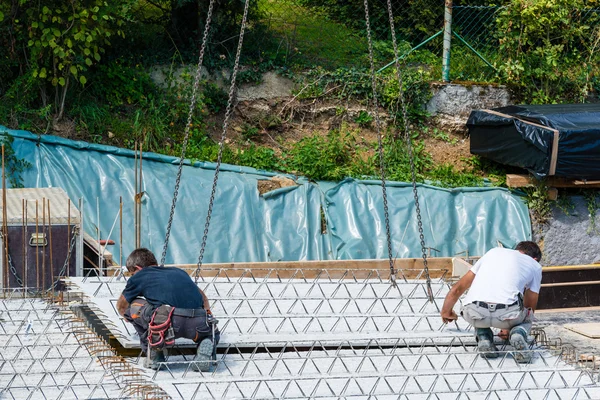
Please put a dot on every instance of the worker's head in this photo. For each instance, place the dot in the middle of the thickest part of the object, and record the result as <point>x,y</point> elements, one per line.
<point>531,249</point>
<point>139,259</point>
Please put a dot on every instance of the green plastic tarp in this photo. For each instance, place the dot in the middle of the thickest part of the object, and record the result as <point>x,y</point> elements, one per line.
<point>310,221</point>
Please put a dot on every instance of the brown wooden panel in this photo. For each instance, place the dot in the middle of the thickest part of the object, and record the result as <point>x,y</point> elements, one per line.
<point>33,263</point>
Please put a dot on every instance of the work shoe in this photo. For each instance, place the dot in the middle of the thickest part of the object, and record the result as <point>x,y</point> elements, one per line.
<point>518,340</point>
<point>155,358</point>
<point>203,358</point>
<point>487,348</point>
<point>485,343</point>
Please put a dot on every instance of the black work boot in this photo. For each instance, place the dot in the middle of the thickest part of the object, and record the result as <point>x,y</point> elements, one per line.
<point>518,340</point>
<point>485,343</point>
<point>204,355</point>
<point>156,357</point>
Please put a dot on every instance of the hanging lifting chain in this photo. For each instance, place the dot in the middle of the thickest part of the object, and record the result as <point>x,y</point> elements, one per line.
<point>410,150</point>
<point>11,267</point>
<point>228,112</point>
<point>61,273</point>
<point>187,128</point>
<point>380,144</point>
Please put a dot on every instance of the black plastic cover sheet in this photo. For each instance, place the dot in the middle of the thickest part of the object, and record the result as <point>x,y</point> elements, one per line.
<point>526,136</point>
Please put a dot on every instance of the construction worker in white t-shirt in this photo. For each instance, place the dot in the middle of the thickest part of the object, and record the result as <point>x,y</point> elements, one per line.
<point>503,293</point>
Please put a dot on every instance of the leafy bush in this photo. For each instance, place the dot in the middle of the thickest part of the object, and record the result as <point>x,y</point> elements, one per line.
<point>118,83</point>
<point>548,54</point>
<point>332,157</point>
<point>14,166</point>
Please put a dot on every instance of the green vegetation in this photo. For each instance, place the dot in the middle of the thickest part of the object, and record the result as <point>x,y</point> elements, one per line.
<point>550,49</point>
<point>538,202</point>
<point>565,204</point>
<point>87,70</point>
<point>308,28</point>
<point>14,166</point>
<point>591,200</point>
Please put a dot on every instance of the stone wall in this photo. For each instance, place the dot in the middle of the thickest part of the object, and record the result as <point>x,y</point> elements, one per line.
<point>452,103</point>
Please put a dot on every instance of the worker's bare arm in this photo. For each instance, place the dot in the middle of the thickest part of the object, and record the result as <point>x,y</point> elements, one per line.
<point>122,305</point>
<point>530,299</point>
<point>454,294</point>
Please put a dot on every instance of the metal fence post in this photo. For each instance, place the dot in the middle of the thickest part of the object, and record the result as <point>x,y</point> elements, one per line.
<point>447,39</point>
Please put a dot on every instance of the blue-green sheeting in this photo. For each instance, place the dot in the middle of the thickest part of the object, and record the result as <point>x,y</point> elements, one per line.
<point>311,221</point>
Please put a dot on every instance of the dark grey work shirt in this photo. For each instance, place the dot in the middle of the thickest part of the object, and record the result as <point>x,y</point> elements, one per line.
<point>160,285</point>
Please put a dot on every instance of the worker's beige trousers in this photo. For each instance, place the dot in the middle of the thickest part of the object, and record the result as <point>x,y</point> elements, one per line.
<point>503,318</point>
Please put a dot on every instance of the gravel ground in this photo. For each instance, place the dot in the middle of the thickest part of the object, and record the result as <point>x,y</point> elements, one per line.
<point>569,237</point>
<point>553,325</point>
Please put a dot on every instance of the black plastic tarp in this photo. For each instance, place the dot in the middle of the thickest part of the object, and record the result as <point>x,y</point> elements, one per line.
<point>548,140</point>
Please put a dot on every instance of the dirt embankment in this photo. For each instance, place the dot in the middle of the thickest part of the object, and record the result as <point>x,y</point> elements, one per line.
<point>281,122</point>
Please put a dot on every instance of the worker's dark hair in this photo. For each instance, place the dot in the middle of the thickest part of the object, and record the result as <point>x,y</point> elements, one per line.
<point>531,249</point>
<point>140,257</point>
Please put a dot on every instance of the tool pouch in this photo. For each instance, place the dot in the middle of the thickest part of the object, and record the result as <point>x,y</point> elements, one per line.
<point>160,331</point>
<point>520,300</point>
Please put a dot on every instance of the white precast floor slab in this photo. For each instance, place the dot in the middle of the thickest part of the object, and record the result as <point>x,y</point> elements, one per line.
<point>264,309</point>
<point>399,372</point>
<point>343,338</point>
<point>41,358</point>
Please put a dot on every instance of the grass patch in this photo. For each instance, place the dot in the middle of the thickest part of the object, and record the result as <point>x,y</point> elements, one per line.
<point>310,34</point>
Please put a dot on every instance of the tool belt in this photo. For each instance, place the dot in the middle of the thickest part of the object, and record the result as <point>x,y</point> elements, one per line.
<point>189,312</point>
<point>160,331</point>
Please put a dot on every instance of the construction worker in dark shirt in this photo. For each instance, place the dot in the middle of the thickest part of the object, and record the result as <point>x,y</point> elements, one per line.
<point>164,304</point>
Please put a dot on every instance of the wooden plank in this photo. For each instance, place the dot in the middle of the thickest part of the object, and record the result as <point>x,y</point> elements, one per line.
<point>94,246</point>
<point>547,285</point>
<point>555,268</point>
<point>523,180</point>
<point>589,329</point>
<point>460,267</point>
<point>518,180</point>
<point>412,268</point>
<point>568,310</point>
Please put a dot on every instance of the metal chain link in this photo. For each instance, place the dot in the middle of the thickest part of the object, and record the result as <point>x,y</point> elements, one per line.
<point>380,144</point>
<point>11,267</point>
<point>228,113</point>
<point>13,270</point>
<point>410,149</point>
<point>187,129</point>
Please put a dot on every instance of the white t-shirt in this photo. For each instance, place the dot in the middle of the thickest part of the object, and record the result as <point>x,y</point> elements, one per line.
<point>501,274</point>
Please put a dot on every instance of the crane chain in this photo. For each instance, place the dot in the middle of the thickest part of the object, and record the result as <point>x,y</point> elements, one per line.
<point>380,148</point>
<point>228,112</point>
<point>11,267</point>
<point>187,129</point>
<point>410,150</point>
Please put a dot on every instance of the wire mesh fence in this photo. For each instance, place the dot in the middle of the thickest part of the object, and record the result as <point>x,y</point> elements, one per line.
<point>475,44</point>
<point>332,33</point>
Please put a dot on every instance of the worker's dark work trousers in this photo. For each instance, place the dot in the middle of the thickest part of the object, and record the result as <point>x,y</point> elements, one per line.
<point>195,328</point>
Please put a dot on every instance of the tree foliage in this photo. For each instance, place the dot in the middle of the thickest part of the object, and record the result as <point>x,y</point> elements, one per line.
<point>550,48</point>
<point>54,42</point>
